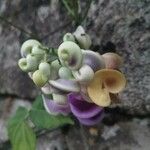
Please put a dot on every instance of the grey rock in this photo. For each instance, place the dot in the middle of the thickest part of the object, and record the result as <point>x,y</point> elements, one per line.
<point>124,135</point>
<point>52,141</point>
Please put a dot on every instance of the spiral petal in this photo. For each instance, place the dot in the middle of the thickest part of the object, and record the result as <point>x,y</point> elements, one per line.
<point>70,55</point>
<point>27,46</point>
<point>113,80</point>
<point>97,93</point>
<point>28,64</point>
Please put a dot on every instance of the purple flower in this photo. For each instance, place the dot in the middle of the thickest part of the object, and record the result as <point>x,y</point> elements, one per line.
<point>54,108</point>
<point>87,113</point>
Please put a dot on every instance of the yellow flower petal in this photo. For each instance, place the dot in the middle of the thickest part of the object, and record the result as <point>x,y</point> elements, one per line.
<point>105,81</point>
<point>98,95</point>
<point>113,80</point>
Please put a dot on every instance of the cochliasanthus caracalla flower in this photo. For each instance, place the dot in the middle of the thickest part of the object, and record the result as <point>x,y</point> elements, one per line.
<point>105,81</point>
<point>73,78</point>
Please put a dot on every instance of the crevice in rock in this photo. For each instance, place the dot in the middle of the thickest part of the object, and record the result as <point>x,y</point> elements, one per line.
<point>105,48</point>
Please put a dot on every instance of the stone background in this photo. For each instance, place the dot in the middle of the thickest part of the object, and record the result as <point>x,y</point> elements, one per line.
<point>120,25</point>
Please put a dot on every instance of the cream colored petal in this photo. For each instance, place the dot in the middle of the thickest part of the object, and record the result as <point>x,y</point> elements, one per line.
<point>113,80</point>
<point>98,95</point>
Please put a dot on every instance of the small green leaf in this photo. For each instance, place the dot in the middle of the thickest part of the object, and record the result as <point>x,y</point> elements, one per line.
<point>21,135</point>
<point>38,103</point>
<point>42,119</point>
<point>20,116</point>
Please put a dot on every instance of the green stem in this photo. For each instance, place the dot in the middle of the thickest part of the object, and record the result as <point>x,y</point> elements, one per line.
<point>68,8</point>
<point>86,10</point>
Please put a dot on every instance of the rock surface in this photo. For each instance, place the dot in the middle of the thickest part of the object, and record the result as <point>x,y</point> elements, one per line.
<point>129,135</point>
<point>120,25</point>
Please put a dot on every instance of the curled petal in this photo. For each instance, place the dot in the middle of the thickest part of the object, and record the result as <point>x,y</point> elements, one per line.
<point>93,59</point>
<point>93,120</point>
<point>68,37</point>
<point>113,80</point>
<point>27,46</point>
<point>28,64</point>
<point>70,55</point>
<point>84,74</point>
<point>105,81</point>
<point>81,108</point>
<point>65,73</point>
<point>112,60</point>
<point>65,85</point>
<point>22,63</point>
<point>53,108</point>
<point>98,95</point>
<point>82,38</point>
<point>39,78</point>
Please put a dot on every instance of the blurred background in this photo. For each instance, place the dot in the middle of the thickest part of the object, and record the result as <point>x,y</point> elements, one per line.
<point>122,26</point>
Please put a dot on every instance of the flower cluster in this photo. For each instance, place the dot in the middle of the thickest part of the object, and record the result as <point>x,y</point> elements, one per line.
<point>73,78</point>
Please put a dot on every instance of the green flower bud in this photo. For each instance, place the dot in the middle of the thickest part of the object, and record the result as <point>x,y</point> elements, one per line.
<point>68,37</point>
<point>65,73</point>
<point>39,78</point>
<point>70,55</point>
<point>28,64</point>
<point>27,46</point>
<point>38,52</point>
<point>82,38</point>
<point>44,67</point>
<point>22,63</point>
<point>55,65</point>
